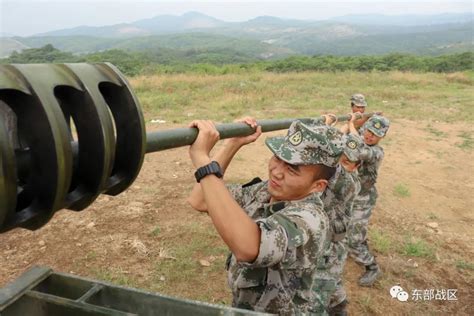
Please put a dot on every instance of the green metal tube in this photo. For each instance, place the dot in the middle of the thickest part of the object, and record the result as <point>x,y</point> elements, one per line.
<point>178,137</point>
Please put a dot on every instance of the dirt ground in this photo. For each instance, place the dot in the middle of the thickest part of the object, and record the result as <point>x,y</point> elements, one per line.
<point>133,233</point>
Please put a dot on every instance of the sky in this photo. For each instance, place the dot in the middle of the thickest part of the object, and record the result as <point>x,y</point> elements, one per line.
<point>28,17</point>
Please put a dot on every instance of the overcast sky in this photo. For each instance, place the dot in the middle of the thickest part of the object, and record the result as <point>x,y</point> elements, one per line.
<point>28,17</point>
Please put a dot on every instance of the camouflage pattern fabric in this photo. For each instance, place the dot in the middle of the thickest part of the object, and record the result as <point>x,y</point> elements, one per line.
<point>294,235</point>
<point>372,157</point>
<point>308,145</point>
<point>353,145</point>
<point>358,228</point>
<point>338,199</point>
<point>358,100</point>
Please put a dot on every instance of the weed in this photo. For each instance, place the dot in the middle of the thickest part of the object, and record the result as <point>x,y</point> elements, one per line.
<point>461,264</point>
<point>380,241</point>
<point>418,248</point>
<point>432,216</point>
<point>401,190</point>
<point>156,231</point>
<point>468,141</point>
<point>435,132</point>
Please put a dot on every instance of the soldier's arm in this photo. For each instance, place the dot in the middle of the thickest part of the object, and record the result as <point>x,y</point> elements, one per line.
<point>224,156</point>
<point>236,228</point>
<point>371,153</point>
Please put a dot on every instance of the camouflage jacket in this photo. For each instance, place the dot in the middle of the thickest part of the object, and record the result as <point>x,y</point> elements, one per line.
<point>371,160</point>
<point>338,198</point>
<point>293,235</point>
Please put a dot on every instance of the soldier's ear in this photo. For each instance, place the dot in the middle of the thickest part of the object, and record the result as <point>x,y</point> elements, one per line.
<point>319,185</point>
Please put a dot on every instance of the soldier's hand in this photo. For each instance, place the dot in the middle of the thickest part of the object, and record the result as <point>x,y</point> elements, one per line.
<point>208,136</point>
<point>244,140</point>
<point>355,117</point>
<point>330,119</point>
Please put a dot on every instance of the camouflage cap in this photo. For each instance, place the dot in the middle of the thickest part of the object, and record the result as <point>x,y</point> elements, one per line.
<point>378,125</point>
<point>358,100</point>
<point>308,145</point>
<point>353,145</point>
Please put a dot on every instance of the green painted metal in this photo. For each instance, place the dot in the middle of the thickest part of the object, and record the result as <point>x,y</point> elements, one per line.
<point>43,292</point>
<point>178,137</point>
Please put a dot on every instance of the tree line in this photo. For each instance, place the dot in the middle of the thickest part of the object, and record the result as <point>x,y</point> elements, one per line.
<point>221,61</point>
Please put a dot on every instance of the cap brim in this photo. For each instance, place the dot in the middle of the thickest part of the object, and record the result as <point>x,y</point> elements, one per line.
<point>376,132</point>
<point>360,104</point>
<point>278,145</point>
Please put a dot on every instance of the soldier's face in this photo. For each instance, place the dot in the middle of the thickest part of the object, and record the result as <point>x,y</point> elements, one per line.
<point>370,138</point>
<point>347,164</point>
<point>358,109</point>
<point>289,182</point>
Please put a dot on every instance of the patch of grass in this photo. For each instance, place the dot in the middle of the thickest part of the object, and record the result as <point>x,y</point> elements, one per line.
<point>180,267</point>
<point>468,141</point>
<point>113,275</point>
<point>418,248</point>
<point>401,190</point>
<point>366,304</point>
<point>461,264</point>
<point>435,132</point>
<point>381,242</point>
<point>432,215</point>
<point>156,231</point>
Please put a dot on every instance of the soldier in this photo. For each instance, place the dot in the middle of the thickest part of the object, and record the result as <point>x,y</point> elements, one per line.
<point>275,229</point>
<point>374,130</point>
<point>358,105</point>
<point>338,199</point>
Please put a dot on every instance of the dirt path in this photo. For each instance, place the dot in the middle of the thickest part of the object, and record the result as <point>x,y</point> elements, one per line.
<point>138,238</point>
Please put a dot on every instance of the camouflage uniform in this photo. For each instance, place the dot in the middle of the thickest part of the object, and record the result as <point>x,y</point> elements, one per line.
<point>294,234</point>
<point>364,203</point>
<point>338,199</point>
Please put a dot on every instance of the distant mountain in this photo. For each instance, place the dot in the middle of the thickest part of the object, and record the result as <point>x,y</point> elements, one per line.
<point>406,19</point>
<point>183,42</point>
<point>270,37</point>
<point>162,24</point>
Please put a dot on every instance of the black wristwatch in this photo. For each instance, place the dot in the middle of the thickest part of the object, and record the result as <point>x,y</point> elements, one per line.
<point>212,168</point>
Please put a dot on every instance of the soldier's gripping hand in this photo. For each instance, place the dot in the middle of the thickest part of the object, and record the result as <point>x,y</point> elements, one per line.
<point>244,140</point>
<point>208,136</point>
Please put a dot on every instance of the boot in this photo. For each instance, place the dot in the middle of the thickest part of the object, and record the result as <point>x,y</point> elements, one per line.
<point>372,272</point>
<point>339,310</point>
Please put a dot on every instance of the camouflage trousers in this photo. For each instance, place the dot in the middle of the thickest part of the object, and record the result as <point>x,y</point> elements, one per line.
<point>329,277</point>
<point>358,228</point>
<point>339,294</point>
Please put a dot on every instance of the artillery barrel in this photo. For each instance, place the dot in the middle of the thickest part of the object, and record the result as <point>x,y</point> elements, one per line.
<point>69,132</point>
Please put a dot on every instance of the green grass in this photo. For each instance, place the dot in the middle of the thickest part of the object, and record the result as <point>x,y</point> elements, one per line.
<point>180,266</point>
<point>270,95</point>
<point>461,264</point>
<point>467,142</point>
<point>418,248</point>
<point>156,231</point>
<point>435,132</point>
<point>381,242</point>
<point>114,275</point>
<point>432,216</point>
<point>401,190</point>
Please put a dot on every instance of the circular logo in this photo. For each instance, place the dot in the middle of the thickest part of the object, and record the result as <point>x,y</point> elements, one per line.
<point>377,125</point>
<point>352,144</point>
<point>296,138</point>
